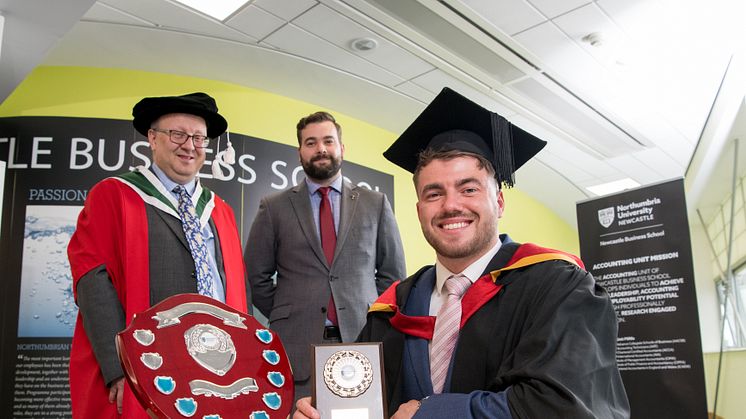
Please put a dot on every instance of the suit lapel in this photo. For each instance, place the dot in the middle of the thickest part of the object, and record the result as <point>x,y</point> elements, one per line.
<point>301,204</point>
<point>348,205</point>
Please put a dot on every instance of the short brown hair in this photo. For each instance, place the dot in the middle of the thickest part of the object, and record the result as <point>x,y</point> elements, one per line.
<point>316,118</point>
<point>428,155</point>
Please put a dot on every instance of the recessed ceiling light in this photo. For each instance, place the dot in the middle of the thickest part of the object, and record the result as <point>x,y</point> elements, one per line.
<point>363,44</point>
<point>218,9</point>
<point>611,187</point>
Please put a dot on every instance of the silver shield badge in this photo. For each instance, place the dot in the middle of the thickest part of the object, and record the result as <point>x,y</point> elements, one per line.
<point>211,348</point>
<point>606,216</point>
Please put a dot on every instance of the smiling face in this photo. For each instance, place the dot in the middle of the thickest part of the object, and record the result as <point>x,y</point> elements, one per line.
<point>459,206</point>
<point>180,163</point>
<point>321,152</point>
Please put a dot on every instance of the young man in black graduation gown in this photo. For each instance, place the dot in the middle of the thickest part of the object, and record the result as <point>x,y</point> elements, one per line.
<point>537,335</point>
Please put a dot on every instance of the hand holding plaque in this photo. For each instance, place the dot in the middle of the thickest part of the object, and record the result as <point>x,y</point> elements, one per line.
<point>348,381</point>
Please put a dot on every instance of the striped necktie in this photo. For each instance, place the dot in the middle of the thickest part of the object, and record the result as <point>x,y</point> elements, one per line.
<point>446,331</point>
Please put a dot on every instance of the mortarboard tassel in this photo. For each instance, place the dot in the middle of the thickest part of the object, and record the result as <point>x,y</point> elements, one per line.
<point>502,141</point>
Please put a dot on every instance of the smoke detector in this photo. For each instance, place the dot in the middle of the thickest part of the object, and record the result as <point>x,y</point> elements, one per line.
<point>596,39</point>
<point>363,44</point>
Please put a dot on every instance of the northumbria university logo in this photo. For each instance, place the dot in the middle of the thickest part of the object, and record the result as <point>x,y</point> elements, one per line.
<point>606,216</point>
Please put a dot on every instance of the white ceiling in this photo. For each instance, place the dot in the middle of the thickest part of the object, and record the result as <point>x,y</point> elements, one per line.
<point>634,107</point>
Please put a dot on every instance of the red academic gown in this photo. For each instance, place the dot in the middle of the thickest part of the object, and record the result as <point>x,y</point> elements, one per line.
<point>112,230</point>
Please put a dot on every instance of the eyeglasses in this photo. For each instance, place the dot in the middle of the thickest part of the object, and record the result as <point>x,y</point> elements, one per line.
<point>181,137</point>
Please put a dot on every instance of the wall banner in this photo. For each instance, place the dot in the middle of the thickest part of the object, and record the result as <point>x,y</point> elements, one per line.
<point>50,164</point>
<point>637,246</point>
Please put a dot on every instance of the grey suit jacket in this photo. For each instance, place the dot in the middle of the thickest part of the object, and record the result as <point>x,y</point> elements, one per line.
<point>284,241</point>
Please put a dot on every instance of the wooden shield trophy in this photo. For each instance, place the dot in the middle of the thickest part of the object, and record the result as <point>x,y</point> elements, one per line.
<point>193,356</point>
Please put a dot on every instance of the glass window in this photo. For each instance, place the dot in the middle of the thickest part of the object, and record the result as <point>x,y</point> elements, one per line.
<point>734,313</point>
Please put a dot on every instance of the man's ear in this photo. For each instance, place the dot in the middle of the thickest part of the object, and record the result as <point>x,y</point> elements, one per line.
<point>151,139</point>
<point>500,203</point>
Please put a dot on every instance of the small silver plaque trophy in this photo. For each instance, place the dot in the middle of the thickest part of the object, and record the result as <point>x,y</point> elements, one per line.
<point>348,381</point>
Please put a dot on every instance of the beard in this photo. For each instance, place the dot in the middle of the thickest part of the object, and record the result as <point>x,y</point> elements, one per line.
<point>476,245</point>
<point>322,172</point>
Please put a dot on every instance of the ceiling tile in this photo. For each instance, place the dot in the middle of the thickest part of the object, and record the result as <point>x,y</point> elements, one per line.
<point>662,163</point>
<point>570,171</point>
<point>447,31</point>
<point>585,165</point>
<point>636,169</point>
<point>577,70</point>
<point>103,13</point>
<point>679,156</point>
<point>686,94</point>
<point>296,41</point>
<point>556,145</point>
<point>248,65</point>
<point>434,81</point>
<point>340,31</point>
<point>666,102</point>
<point>577,119</point>
<point>586,20</point>
<point>173,16</point>
<point>555,50</point>
<point>286,9</point>
<point>561,197</point>
<point>678,55</point>
<point>554,8</point>
<point>617,90</point>
<point>255,22</point>
<point>632,16</point>
<point>415,91</point>
<point>567,151</point>
<point>670,140</point>
<point>510,16</point>
<point>535,129</point>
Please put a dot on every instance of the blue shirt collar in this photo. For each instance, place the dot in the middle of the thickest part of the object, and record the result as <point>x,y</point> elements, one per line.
<point>170,184</point>
<point>336,185</point>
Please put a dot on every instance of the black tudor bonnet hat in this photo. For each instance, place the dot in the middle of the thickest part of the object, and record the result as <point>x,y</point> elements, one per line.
<point>200,104</point>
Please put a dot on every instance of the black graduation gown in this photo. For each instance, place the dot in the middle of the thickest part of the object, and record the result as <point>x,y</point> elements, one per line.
<point>547,339</point>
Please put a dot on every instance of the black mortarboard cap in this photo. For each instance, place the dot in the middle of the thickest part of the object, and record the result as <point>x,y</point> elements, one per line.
<point>201,104</point>
<point>453,122</point>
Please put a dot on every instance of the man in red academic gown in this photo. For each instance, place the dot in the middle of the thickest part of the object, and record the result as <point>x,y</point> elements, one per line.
<point>535,336</point>
<point>130,250</point>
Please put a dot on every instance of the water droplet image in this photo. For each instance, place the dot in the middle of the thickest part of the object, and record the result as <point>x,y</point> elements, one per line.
<point>47,307</point>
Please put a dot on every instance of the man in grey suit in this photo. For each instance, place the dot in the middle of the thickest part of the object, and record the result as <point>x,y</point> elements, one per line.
<point>134,246</point>
<point>322,289</point>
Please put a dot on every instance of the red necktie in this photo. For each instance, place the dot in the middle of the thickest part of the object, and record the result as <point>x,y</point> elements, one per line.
<point>328,242</point>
